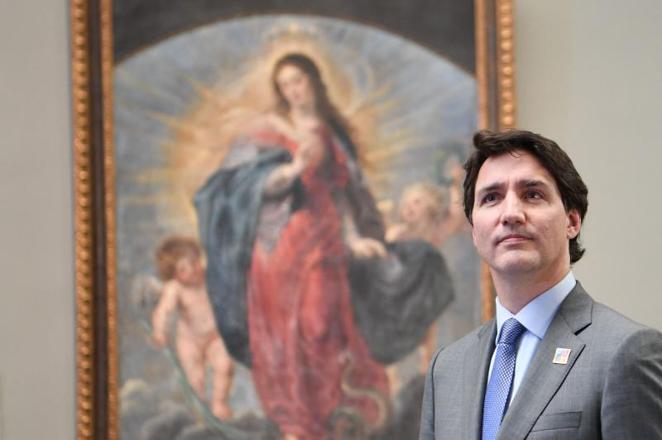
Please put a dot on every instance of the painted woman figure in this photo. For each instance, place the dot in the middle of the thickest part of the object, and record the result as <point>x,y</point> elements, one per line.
<point>278,220</point>
<point>302,286</point>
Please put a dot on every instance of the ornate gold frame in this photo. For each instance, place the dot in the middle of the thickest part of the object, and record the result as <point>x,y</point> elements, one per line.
<point>91,49</point>
<point>96,343</point>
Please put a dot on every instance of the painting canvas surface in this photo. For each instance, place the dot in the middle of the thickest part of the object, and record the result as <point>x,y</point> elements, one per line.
<point>314,335</point>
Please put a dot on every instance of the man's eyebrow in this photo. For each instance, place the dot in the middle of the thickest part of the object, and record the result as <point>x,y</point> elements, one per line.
<point>491,187</point>
<point>532,183</point>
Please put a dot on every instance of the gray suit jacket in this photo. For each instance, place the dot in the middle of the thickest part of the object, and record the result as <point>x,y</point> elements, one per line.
<point>611,387</point>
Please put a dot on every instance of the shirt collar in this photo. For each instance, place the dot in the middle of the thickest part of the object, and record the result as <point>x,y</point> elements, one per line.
<point>538,313</point>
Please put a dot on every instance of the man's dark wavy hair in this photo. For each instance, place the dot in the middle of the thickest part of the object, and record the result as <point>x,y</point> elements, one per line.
<point>574,193</point>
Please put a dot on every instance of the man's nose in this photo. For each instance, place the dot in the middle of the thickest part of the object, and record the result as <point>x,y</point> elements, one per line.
<point>513,211</point>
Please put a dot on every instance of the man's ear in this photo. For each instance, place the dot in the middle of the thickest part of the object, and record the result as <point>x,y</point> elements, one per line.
<point>574,224</point>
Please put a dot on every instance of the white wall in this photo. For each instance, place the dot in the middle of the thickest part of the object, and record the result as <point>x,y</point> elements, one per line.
<point>37,366</point>
<point>588,77</point>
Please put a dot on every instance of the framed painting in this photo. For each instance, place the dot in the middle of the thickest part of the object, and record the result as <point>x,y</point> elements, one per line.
<point>270,241</point>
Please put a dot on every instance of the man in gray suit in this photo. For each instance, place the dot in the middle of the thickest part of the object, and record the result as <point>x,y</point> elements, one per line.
<point>553,364</point>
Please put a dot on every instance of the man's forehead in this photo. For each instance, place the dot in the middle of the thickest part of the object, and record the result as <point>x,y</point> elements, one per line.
<point>517,167</point>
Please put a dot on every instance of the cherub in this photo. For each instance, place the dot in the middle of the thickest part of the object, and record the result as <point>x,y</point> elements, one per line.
<point>180,266</point>
<point>433,214</point>
<point>429,212</point>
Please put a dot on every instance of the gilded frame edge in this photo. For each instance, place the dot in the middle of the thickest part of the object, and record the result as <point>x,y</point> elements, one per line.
<point>91,72</point>
<point>95,259</point>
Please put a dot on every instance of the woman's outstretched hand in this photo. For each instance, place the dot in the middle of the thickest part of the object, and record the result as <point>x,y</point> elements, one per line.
<point>363,247</point>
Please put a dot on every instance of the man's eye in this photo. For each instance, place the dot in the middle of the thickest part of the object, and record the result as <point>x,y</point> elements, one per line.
<point>489,198</point>
<point>533,195</point>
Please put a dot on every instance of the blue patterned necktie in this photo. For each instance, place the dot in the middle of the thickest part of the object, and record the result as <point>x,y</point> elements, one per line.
<point>501,381</point>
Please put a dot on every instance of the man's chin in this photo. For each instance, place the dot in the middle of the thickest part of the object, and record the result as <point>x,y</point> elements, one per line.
<point>516,264</point>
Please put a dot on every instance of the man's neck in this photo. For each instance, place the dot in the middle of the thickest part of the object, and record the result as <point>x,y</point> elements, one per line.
<point>517,291</point>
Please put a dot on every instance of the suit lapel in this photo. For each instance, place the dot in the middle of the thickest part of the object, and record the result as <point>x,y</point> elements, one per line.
<point>543,378</point>
<point>476,365</point>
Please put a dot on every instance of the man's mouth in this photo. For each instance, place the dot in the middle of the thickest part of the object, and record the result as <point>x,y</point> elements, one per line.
<point>513,238</point>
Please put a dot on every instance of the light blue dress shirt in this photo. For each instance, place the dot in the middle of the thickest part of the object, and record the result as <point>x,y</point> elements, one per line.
<point>535,317</point>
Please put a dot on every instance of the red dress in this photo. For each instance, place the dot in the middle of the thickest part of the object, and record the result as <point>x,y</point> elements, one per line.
<point>306,348</point>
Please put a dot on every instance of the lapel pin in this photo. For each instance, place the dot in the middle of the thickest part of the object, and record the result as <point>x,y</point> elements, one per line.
<point>561,356</point>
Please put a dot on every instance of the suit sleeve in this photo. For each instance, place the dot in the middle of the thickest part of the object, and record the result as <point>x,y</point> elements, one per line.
<point>427,409</point>
<point>632,395</point>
